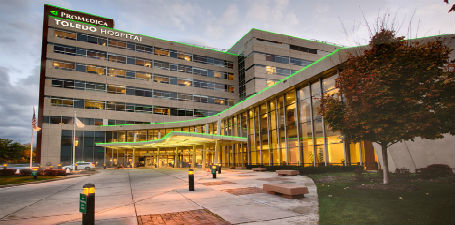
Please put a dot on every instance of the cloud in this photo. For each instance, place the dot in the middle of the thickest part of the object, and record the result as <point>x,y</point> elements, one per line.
<point>16,105</point>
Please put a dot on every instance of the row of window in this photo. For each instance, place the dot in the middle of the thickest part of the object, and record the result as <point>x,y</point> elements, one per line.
<point>86,121</point>
<point>283,59</point>
<point>100,70</point>
<point>128,90</point>
<point>141,48</point>
<point>102,55</point>
<point>273,70</point>
<point>127,107</point>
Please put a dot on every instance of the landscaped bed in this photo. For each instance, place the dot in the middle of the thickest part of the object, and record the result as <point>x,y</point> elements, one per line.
<point>23,179</point>
<point>361,198</point>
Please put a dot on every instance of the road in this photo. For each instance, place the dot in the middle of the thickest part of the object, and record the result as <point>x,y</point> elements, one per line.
<point>122,195</point>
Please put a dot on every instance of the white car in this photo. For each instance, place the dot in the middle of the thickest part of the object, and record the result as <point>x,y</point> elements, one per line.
<point>81,166</point>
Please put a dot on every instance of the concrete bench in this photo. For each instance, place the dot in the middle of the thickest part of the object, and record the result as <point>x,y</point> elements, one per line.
<point>286,190</point>
<point>287,172</point>
<point>257,169</point>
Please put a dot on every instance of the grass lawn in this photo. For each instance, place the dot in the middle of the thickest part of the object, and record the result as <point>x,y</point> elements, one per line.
<point>22,179</point>
<point>347,199</point>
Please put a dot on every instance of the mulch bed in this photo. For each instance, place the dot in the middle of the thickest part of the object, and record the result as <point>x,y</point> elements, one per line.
<point>200,216</point>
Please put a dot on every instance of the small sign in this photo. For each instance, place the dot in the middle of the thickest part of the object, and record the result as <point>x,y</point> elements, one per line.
<point>83,203</point>
<point>34,173</point>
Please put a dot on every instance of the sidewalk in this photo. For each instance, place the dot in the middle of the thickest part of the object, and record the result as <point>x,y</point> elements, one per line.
<point>123,196</point>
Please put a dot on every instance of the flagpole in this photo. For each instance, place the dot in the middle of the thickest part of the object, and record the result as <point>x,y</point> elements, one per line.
<point>74,138</point>
<point>31,150</point>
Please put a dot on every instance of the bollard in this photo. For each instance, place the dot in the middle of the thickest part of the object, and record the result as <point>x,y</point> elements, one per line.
<point>5,166</point>
<point>219,168</point>
<point>104,165</point>
<point>75,166</point>
<point>59,166</point>
<point>191,179</point>
<point>35,174</point>
<point>214,171</point>
<point>87,204</point>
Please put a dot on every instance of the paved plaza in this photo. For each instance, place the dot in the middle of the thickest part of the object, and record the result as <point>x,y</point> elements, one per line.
<point>148,196</point>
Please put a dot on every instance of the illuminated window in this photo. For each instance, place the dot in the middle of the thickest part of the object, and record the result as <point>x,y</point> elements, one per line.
<point>117,58</point>
<point>143,62</point>
<point>65,102</point>
<point>117,44</point>
<point>96,69</point>
<point>217,74</point>
<point>181,82</point>
<point>184,56</point>
<point>270,82</point>
<point>116,72</point>
<point>161,52</point>
<point>143,76</point>
<point>161,111</point>
<point>114,89</point>
<point>90,104</point>
<point>63,65</point>
<point>65,34</point>
<point>230,76</point>
<point>230,88</point>
<point>96,54</point>
<point>270,70</point>
<point>161,79</point>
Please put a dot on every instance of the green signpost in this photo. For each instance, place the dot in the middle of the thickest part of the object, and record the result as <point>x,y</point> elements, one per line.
<point>83,203</point>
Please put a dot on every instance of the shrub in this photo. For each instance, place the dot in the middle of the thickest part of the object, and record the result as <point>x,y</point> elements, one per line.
<point>436,170</point>
<point>26,172</point>
<point>54,172</point>
<point>7,172</point>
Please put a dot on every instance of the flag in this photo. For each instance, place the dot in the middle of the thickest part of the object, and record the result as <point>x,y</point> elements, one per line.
<point>34,126</point>
<point>79,124</point>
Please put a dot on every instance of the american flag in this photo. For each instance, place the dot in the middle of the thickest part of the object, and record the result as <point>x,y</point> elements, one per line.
<point>35,127</point>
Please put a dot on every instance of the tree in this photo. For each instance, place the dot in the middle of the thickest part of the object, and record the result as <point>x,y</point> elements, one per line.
<point>453,6</point>
<point>395,91</point>
<point>13,151</point>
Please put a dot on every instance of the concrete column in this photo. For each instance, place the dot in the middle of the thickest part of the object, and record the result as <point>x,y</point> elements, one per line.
<point>117,158</point>
<point>112,157</point>
<point>175,157</point>
<point>134,159</point>
<point>194,157</point>
<point>104,164</point>
<point>217,152</point>
<point>203,156</point>
<point>158,158</point>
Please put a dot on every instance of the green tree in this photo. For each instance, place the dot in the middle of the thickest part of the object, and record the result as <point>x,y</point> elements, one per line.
<point>13,151</point>
<point>395,91</point>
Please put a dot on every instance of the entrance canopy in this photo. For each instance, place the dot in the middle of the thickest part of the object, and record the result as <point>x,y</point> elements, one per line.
<point>178,139</point>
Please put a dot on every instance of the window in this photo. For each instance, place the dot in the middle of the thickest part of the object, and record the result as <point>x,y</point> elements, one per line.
<point>282,71</point>
<point>117,44</point>
<point>116,72</point>
<point>230,76</point>
<point>182,82</point>
<point>161,79</point>
<point>161,111</point>
<point>65,102</point>
<point>63,65</point>
<point>117,58</point>
<point>91,104</point>
<point>114,89</point>
<point>96,69</point>
<point>161,65</point>
<point>185,97</point>
<point>303,49</point>
<point>199,71</point>
<point>219,101</point>
<point>96,54</point>
<point>67,50</point>
<point>184,56</point>
<point>200,59</point>
<point>217,74</point>
<point>144,62</point>
<point>143,76</point>
<point>270,82</point>
<point>145,49</point>
<point>230,88</point>
<point>270,70</point>
<point>300,62</point>
<point>161,52</point>
<point>57,83</point>
<point>65,34</point>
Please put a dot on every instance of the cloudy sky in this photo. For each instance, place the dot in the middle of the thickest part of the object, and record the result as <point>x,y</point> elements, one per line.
<point>214,23</point>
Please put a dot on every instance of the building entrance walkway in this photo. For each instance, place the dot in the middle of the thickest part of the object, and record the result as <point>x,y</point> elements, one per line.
<point>127,196</point>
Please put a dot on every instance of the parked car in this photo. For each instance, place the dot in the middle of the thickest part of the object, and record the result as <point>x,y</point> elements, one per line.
<point>81,166</point>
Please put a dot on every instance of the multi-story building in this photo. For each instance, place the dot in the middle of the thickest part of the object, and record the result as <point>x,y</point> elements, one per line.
<point>164,103</point>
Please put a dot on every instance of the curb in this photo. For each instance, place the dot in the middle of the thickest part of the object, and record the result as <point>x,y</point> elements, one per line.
<point>45,181</point>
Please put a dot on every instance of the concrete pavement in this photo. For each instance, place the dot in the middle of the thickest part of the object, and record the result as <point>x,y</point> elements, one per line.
<point>122,195</point>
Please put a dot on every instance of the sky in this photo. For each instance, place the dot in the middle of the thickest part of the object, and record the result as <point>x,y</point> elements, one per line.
<point>212,23</point>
